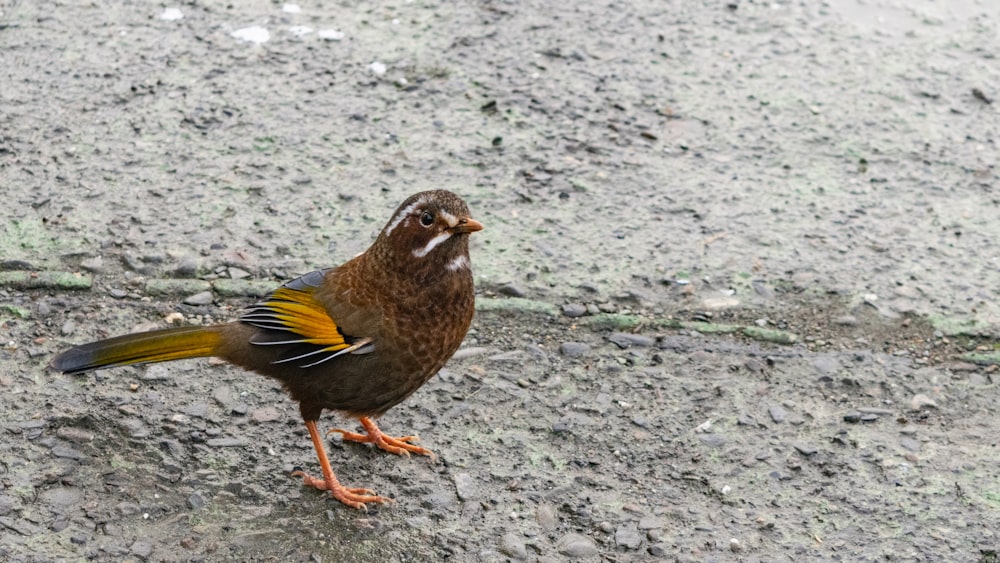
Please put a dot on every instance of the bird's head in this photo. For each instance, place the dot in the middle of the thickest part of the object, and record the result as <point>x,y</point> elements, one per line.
<point>428,233</point>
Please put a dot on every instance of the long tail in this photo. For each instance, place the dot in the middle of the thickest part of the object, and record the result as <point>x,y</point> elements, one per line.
<point>144,347</point>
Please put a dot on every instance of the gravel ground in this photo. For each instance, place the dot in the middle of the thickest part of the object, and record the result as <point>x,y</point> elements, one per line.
<point>738,286</point>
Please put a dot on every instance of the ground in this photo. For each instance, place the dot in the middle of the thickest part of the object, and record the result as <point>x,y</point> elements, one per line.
<point>738,287</point>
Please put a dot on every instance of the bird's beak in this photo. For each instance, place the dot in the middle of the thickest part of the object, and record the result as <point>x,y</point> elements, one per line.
<point>467,225</point>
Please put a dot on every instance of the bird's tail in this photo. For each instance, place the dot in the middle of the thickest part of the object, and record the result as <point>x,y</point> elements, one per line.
<point>143,347</point>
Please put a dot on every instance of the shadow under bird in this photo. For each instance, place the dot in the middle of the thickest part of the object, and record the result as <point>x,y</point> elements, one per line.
<point>358,338</point>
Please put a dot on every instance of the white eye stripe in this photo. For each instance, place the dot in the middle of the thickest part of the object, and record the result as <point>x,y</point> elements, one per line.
<point>452,221</point>
<point>431,245</point>
<point>403,214</point>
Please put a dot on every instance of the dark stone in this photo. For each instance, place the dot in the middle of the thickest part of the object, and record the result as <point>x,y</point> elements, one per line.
<point>573,349</point>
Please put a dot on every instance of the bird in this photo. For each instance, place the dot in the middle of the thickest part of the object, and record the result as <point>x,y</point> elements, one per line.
<point>357,339</point>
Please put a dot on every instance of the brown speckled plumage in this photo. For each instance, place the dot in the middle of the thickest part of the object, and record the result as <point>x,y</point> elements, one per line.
<point>358,338</point>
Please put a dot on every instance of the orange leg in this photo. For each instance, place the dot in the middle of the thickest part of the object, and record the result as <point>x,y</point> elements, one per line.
<point>398,446</point>
<point>355,498</point>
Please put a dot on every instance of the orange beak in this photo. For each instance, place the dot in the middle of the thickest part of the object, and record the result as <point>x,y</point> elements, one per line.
<point>467,225</point>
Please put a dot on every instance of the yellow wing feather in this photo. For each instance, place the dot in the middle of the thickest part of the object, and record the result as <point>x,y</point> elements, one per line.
<point>294,318</point>
<point>298,312</point>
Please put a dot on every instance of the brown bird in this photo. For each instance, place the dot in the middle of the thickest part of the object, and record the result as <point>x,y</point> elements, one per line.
<point>358,338</point>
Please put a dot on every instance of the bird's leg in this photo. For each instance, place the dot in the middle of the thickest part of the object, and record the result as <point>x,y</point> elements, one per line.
<point>398,446</point>
<point>355,498</point>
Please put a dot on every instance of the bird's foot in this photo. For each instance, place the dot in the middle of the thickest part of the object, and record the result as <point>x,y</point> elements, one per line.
<point>353,497</point>
<point>400,446</point>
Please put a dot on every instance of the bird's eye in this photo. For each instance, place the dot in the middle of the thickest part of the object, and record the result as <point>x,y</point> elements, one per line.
<point>427,219</point>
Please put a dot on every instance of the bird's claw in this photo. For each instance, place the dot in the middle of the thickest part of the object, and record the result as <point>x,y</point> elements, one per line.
<point>355,497</point>
<point>400,446</point>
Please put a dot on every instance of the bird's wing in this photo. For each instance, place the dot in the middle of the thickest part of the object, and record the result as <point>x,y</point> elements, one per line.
<point>292,317</point>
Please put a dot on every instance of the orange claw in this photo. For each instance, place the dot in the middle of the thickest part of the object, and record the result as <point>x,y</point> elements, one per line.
<point>353,497</point>
<point>398,446</point>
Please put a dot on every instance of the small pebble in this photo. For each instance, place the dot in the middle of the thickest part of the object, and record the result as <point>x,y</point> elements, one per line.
<point>94,265</point>
<point>265,414</point>
<point>187,267</point>
<point>826,365</point>
<point>418,522</point>
<point>762,289</point>
<point>330,34</point>
<point>909,444</point>
<point>920,401</point>
<point>806,449</point>
<point>470,352</point>
<point>626,340</point>
<point>196,501</point>
<point>254,34</point>
<point>512,290</point>
<point>846,320</point>
<point>714,440</point>
<point>465,486</point>
<point>573,349</point>
<point>513,546</point>
<point>135,427</point>
<point>198,410</point>
<point>61,500</point>
<point>852,416</point>
<point>546,517</point>
<point>875,410</point>
<point>225,442</point>
<point>173,447</point>
<point>127,508</point>
<point>202,298</point>
<point>141,549</point>
<point>651,523</point>
<point>171,14</point>
<point>224,396</point>
<point>574,310</point>
<point>577,546</point>
<point>778,413</point>
<point>627,536</point>
<point>237,273</point>
<point>74,434</point>
<point>438,501</point>
<point>155,372</point>
<point>67,452</point>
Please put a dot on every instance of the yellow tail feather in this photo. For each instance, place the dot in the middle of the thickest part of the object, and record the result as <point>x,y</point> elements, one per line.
<point>144,347</point>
